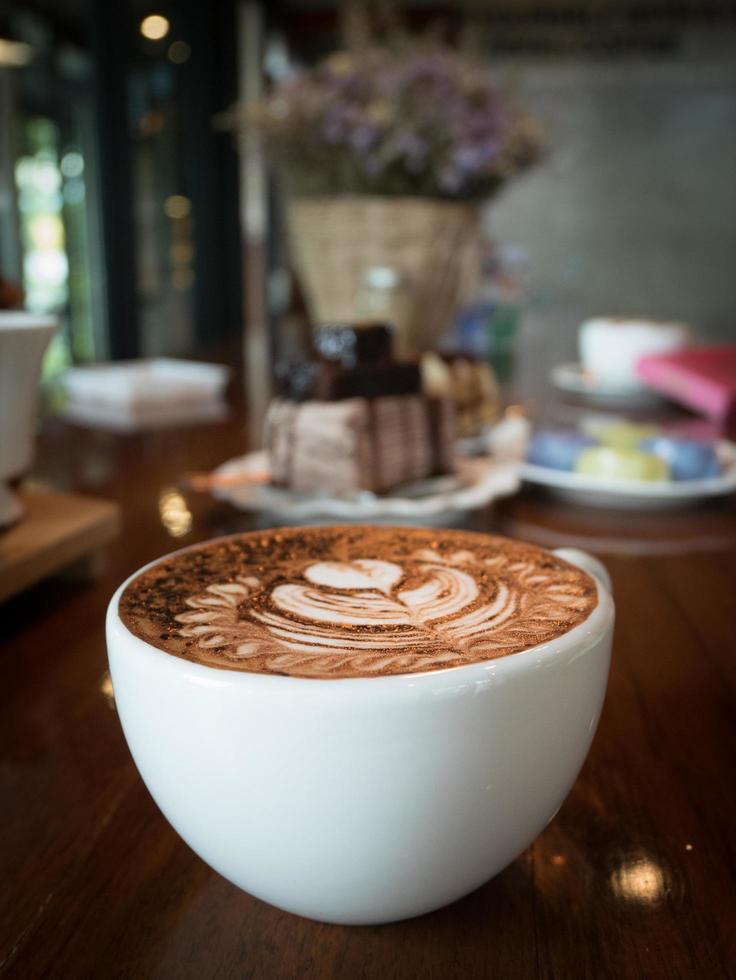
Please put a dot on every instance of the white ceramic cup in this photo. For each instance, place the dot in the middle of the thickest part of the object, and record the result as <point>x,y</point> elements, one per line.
<point>364,800</point>
<point>24,338</point>
<point>611,347</point>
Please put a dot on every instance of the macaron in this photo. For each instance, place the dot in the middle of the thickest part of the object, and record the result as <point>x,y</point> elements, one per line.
<point>557,449</point>
<point>625,435</point>
<point>687,459</point>
<point>621,464</point>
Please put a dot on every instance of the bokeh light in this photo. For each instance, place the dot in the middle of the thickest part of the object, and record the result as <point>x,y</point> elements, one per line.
<point>154,27</point>
<point>175,515</point>
<point>177,206</point>
<point>639,880</point>
<point>179,52</point>
<point>72,164</point>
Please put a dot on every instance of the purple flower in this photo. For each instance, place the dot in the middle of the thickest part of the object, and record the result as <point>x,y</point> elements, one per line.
<point>336,122</point>
<point>468,158</point>
<point>363,137</point>
<point>412,148</point>
<point>475,157</point>
<point>418,120</point>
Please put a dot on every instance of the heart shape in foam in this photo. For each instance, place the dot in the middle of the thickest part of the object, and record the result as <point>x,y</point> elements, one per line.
<point>363,573</point>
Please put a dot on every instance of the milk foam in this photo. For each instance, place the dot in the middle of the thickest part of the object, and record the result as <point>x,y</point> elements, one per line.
<point>355,602</point>
<point>355,616</point>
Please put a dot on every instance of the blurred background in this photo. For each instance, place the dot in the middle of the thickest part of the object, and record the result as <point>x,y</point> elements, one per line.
<point>126,208</point>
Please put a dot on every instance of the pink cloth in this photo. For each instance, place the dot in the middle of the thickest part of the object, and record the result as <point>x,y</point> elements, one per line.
<point>701,378</point>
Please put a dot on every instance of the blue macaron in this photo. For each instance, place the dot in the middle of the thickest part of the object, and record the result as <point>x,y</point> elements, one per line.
<point>556,449</point>
<point>687,459</point>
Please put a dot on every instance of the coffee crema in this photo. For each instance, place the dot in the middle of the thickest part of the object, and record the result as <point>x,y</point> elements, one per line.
<point>337,602</point>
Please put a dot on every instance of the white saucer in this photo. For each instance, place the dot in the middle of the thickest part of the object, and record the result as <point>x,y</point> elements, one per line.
<point>572,379</point>
<point>433,501</point>
<point>636,494</point>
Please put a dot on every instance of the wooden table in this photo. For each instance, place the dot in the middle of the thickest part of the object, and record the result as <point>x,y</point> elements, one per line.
<point>635,878</point>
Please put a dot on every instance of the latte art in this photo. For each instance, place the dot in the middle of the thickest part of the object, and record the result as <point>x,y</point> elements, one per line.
<point>320,603</point>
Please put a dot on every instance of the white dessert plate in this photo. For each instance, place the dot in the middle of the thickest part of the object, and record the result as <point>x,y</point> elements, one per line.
<point>636,494</point>
<point>572,379</point>
<point>437,500</point>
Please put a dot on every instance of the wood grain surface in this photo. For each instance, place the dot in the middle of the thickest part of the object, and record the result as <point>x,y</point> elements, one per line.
<point>57,529</point>
<point>635,877</point>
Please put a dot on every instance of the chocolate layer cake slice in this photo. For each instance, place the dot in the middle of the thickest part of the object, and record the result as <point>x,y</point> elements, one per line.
<point>356,420</point>
<point>358,443</point>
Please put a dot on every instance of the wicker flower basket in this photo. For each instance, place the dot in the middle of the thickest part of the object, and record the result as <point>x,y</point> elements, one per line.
<point>434,245</point>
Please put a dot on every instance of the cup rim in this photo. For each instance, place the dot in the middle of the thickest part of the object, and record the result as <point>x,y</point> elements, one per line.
<point>25,320</point>
<point>575,641</point>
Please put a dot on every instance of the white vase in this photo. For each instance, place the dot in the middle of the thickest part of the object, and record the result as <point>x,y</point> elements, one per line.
<point>24,338</point>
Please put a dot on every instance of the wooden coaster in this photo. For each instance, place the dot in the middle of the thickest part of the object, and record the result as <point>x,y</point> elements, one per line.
<point>58,530</point>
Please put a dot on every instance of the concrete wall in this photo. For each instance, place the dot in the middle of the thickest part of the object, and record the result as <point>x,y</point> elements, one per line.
<point>635,208</point>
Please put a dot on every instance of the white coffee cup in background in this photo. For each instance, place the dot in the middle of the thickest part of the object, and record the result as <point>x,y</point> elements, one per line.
<point>610,347</point>
<point>24,338</point>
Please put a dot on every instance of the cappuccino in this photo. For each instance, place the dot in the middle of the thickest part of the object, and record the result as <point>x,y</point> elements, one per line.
<point>338,602</point>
